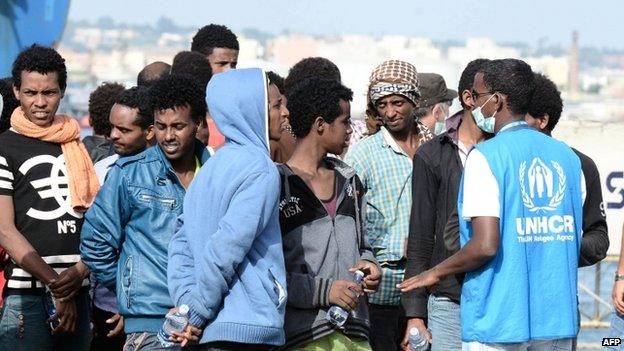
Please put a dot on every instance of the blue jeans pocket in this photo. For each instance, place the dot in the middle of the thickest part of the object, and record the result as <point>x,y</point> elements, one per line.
<point>23,325</point>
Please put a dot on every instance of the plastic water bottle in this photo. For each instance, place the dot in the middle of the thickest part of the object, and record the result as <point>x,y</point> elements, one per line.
<point>336,314</point>
<point>417,341</point>
<point>49,304</point>
<point>174,322</point>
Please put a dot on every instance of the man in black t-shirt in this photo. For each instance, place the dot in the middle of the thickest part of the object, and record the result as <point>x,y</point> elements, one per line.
<point>39,220</point>
<point>544,113</point>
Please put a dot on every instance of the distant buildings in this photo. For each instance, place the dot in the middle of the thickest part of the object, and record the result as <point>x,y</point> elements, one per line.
<point>116,54</point>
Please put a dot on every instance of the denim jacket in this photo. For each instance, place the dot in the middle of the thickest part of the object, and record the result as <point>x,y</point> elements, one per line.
<point>127,231</point>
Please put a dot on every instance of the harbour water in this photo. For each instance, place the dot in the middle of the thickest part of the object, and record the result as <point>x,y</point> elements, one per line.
<point>591,338</point>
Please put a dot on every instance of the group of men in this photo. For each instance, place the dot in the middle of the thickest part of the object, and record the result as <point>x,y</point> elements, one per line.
<point>259,226</point>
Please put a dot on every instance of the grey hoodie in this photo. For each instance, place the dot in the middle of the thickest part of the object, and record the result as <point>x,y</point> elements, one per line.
<point>319,250</point>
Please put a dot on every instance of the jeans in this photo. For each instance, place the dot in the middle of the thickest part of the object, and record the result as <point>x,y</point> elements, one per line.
<point>545,345</point>
<point>24,326</point>
<point>444,323</point>
<point>616,331</point>
<point>146,342</point>
<point>388,325</point>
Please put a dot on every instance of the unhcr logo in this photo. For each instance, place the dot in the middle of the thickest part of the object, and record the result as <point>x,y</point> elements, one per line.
<point>543,188</point>
<point>542,196</point>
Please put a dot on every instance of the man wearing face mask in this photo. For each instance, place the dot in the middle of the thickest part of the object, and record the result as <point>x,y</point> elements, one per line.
<point>383,162</point>
<point>438,166</point>
<point>435,101</point>
<point>520,246</point>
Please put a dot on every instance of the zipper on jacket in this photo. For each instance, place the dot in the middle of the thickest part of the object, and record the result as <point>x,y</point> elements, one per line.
<point>170,202</point>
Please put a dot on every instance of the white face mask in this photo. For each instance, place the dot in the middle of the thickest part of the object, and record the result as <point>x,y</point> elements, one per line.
<point>485,123</point>
<point>440,127</point>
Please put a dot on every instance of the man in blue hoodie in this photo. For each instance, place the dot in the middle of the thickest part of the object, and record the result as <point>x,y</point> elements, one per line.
<point>226,261</point>
<point>126,233</point>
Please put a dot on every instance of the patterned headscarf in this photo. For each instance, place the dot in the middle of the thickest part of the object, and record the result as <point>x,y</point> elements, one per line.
<point>394,77</point>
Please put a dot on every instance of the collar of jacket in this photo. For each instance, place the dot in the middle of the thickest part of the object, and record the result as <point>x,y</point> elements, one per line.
<point>333,163</point>
<point>452,125</point>
<point>344,169</point>
<point>201,152</point>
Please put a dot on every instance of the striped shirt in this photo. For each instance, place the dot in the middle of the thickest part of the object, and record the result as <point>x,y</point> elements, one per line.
<point>34,174</point>
<point>386,173</point>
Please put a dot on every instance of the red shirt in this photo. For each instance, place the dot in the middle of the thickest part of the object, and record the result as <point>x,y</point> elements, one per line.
<point>215,139</point>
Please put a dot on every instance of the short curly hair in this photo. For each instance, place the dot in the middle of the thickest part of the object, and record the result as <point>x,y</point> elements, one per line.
<point>466,80</point>
<point>101,101</point>
<point>177,90</point>
<point>311,67</point>
<point>40,59</point>
<point>9,101</point>
<point>312,98</point>
<point>277,80</point>
<point>138,97</point>
<point>513,78</point>
<point>546,100</point>
<point>213,36</point>
<point>194,65</point>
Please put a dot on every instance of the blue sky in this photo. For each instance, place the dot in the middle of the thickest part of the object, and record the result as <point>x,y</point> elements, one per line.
<point>599,22</point>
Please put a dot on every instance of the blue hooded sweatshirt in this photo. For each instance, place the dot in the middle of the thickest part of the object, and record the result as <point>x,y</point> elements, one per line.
<point>226,260</point>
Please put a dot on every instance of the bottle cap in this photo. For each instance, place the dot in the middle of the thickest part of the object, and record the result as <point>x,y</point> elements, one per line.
<point>414,331</point>
<point>359,274</point>
<point>183,309</point>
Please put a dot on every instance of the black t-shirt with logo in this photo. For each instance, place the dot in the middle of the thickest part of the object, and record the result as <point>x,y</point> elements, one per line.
<point>33,173</point>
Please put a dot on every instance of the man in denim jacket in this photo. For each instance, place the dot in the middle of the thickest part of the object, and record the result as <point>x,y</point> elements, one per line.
<point>125,236</point>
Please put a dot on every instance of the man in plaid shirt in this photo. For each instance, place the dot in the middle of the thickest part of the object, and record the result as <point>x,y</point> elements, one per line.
<point>383,162</point>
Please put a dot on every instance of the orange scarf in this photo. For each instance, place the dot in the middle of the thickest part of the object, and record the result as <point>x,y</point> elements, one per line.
<point>82,180</point>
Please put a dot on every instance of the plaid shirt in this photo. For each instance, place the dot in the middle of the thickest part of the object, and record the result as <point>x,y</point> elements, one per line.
<point>386,173</point>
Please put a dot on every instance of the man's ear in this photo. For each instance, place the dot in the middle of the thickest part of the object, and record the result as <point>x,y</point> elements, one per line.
<point>500,100</point>
<point>319,124</point>
<point>149,134</point>
<point>440,111</point>
<point>544,121</point>
<point>466,96</point>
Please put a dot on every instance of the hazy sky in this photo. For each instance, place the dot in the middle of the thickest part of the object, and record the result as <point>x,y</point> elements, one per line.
<point>599,22</point>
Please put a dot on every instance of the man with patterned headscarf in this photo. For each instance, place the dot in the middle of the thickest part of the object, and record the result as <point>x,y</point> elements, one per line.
<point>384,164</point>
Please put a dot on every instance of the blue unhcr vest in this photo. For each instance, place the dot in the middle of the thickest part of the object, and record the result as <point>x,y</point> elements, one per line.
<point>528,291</point>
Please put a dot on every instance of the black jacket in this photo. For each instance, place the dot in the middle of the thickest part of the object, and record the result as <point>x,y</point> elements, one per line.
<point>98,148</point>
<point>435,184</point>
<point>595,241</point>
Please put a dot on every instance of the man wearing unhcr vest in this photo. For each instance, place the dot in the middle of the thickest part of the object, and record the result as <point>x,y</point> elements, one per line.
<point>520,207</point>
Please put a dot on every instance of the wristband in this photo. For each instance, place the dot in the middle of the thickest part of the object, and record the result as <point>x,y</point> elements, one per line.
<point>619,277</point>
